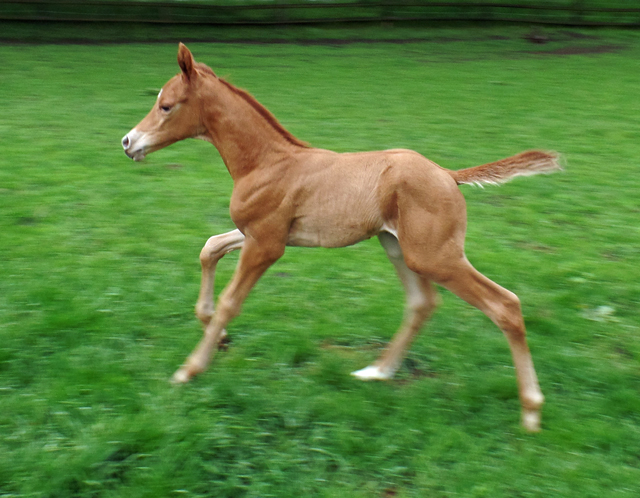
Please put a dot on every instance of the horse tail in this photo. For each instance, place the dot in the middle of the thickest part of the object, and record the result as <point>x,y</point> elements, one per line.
<point>531,162</point>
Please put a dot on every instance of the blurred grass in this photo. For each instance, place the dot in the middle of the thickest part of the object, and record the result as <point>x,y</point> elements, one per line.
<point>100,274</point>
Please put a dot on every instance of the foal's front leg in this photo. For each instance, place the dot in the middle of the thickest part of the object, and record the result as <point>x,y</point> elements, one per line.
<point>212,252</point>
<point>254,260</point>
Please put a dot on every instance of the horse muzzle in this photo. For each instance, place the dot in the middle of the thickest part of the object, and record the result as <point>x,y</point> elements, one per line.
<point>132,146</point>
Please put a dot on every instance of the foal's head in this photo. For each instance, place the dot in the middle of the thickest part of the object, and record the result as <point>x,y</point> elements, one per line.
<point>176,114</point>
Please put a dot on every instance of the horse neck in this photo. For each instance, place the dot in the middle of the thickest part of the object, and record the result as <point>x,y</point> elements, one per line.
<point>244,132</point>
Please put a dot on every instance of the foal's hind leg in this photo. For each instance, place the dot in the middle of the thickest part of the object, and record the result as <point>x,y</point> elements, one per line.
<point>503,308</point>
<point>215,248</point>
<point>421,301</point>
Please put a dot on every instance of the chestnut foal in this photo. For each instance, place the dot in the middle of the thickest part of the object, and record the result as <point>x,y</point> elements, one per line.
<point>287,193</point>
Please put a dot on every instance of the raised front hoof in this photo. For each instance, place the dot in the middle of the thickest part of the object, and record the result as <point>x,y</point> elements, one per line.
<point>531,420</point>
<point>372,372</point>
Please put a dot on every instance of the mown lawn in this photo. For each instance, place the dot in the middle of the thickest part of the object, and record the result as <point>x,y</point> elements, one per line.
<point>99,274</point>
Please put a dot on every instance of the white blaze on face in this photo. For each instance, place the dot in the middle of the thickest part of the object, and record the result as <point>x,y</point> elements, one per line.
<point>160,94</point>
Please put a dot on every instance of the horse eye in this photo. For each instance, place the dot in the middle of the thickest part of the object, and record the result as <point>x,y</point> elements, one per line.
<point>165,108</point>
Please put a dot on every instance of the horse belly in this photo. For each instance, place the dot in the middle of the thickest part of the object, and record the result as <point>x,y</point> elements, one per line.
<point>332,229</point>
<point>338,207</point>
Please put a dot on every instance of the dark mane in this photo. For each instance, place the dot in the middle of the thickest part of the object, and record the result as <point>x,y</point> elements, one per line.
<point>263,111</point>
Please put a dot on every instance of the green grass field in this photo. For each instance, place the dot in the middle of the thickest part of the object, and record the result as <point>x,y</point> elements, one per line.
<point>100,273</point>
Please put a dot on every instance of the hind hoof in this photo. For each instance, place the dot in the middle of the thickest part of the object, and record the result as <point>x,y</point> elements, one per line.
<point>372,372</point>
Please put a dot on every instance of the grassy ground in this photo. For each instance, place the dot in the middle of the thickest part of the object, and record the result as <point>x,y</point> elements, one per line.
<point>100,272</point>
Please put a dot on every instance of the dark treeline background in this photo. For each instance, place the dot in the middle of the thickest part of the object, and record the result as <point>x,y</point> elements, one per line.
<point>567,12</point>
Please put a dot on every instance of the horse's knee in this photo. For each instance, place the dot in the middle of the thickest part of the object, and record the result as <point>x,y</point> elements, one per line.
<point>209,252</point>
<point>205,255</point>
<point>508,316</point>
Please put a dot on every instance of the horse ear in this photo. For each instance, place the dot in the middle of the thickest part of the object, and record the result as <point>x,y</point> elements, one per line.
<point>186,62</point>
